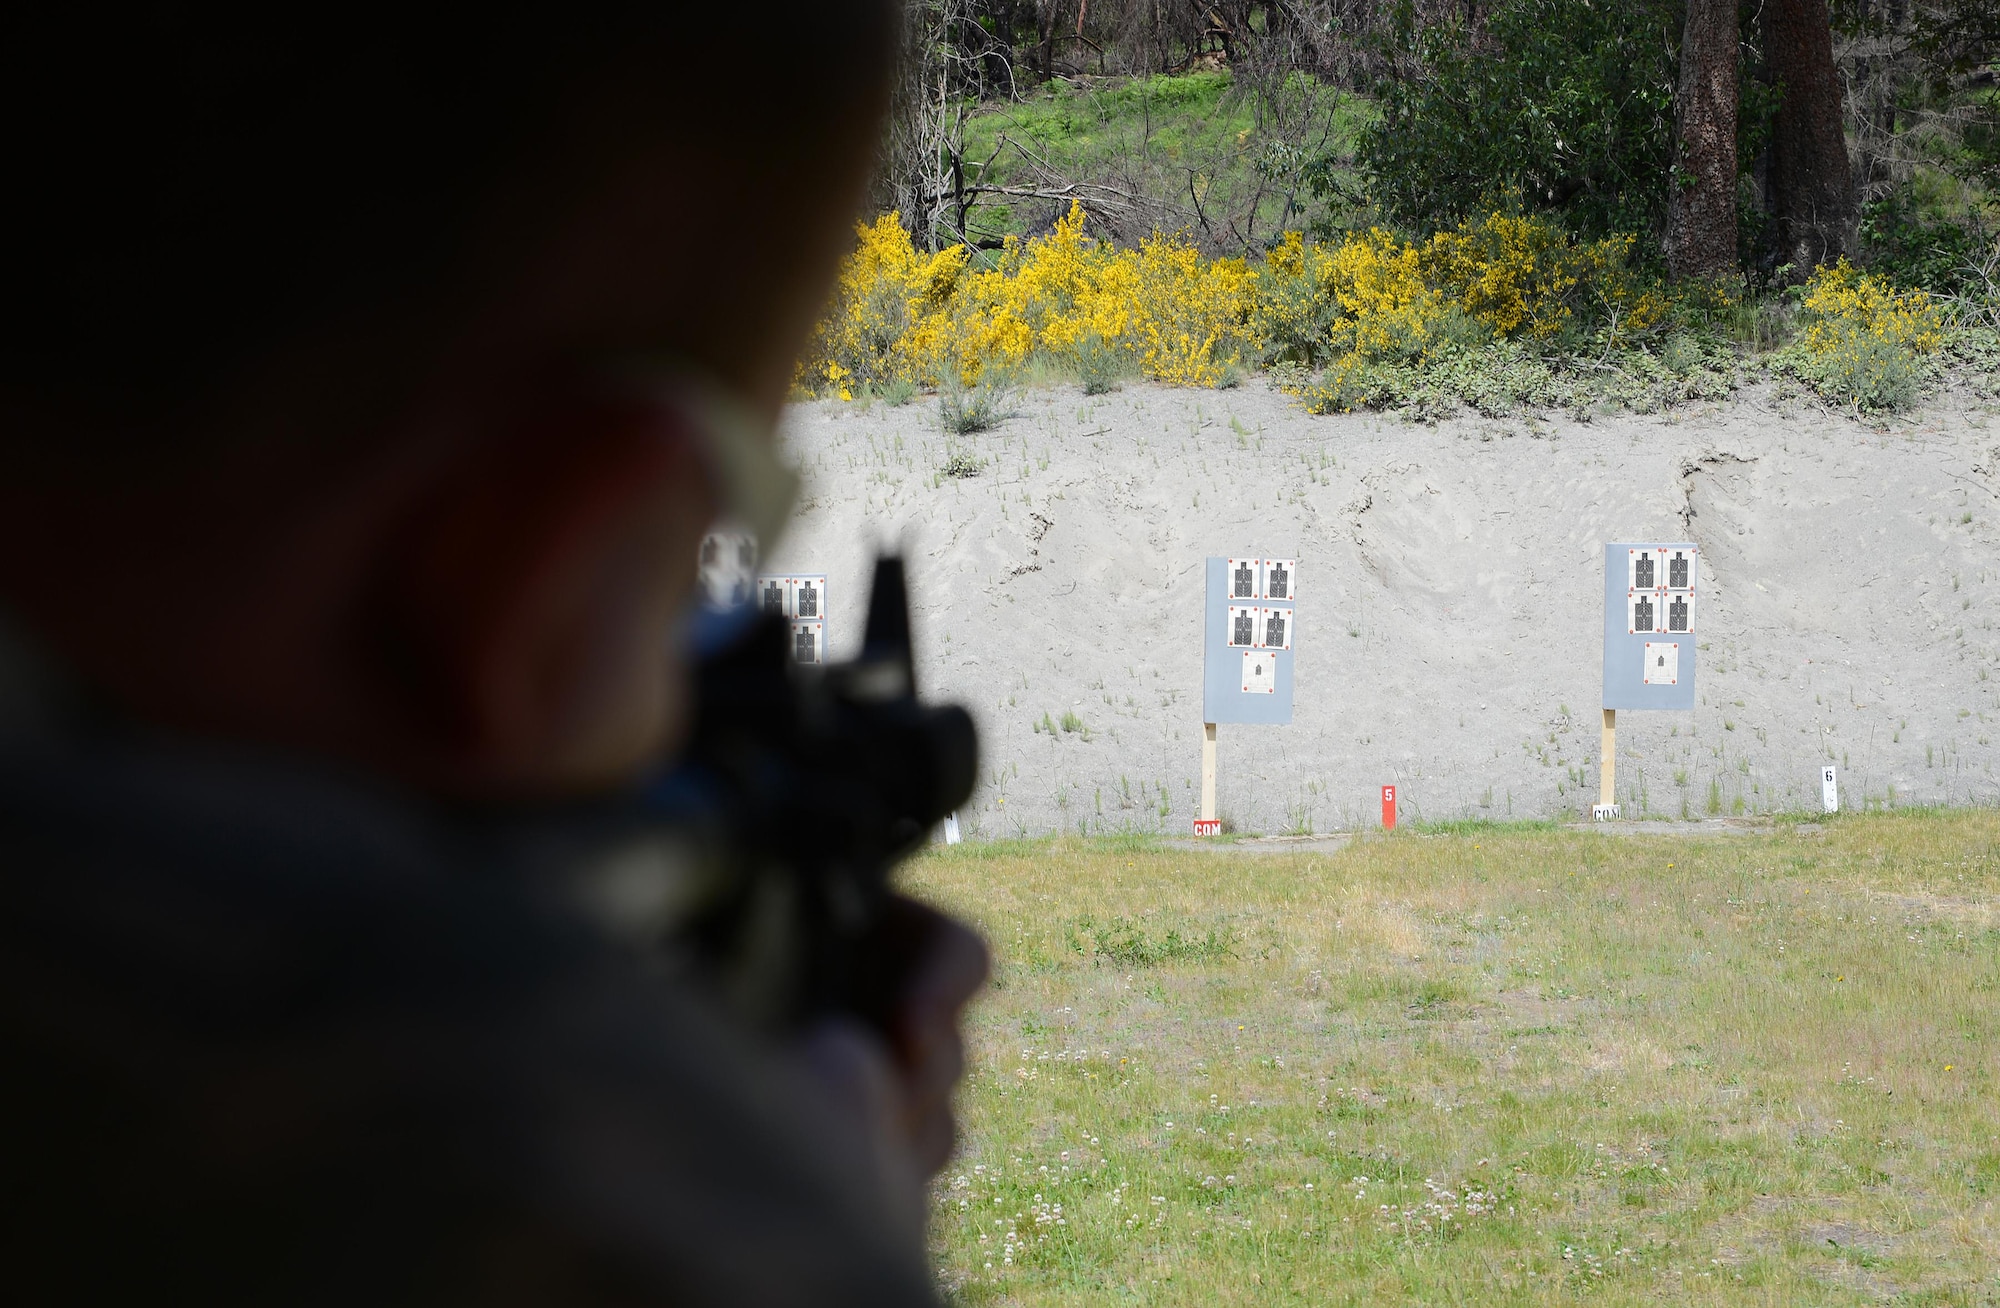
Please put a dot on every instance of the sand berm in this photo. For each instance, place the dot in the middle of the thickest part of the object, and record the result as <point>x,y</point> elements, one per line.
<point>1450,600</point>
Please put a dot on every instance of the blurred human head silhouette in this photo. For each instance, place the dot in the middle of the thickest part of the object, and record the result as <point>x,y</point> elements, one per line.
<point>370,376</point>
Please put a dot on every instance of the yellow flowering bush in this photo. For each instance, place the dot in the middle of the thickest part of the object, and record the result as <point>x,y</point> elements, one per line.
<point>886,293</point>
<point>899,314</point>
<point>1492,314</point>
<point>1386,306</point>
<point>1865,342</point>
<point>1068,288</point>
<point>1841,299</point>
<point>1191,314</point>
<point>1376,302</point>
<point>1522,276</point>
<point>1292,319</point>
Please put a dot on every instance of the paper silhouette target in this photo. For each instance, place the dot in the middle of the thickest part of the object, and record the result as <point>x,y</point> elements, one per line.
<point>1243,626</point>
<point>1275,631</point>
<point>1642,612</point>
<point>809,642</point>
<point>1281,580</point>
<point>1678,569</point>
<point>802,601</point>
<point>1661,607</point>
<point>1663,663</point>
<point>1260,672</point>
<point>1643,570</point>
<point>808,598</point>
<point>1244,579</point>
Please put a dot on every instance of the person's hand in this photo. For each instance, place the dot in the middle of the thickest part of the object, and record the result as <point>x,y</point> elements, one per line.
<point>945,965</point>
<point>895,1068</point>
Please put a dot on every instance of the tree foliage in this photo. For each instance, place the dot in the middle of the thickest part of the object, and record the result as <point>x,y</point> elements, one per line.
<point>1561,106</point>
<point>1565,108</point>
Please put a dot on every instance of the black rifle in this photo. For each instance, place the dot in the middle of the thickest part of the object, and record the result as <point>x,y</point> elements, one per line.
<point>799,792</point>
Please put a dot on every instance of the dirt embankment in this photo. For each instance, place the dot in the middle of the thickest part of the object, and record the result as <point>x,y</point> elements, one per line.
<point>1450,582</point>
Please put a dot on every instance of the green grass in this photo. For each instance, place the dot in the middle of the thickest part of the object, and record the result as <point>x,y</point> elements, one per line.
<point>1644,1069</point>
<point>1484,826</point>
<point>1180,147</point>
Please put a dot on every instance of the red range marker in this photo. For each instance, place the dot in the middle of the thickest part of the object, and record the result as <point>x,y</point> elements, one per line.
<point>1388,808</point>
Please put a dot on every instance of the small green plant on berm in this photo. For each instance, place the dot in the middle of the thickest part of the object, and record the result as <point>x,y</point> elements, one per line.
<point>964,410</point>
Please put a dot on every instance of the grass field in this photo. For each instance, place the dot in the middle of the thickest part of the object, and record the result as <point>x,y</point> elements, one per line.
<point>1484,1066</point>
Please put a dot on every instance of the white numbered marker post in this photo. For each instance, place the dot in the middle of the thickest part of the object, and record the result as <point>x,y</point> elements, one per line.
<point>1829,790</point>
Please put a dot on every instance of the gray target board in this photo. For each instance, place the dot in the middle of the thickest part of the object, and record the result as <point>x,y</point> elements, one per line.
<point>1250,638</point>
<point>802,599</point>
<point>1650,603</point>
<point>725,568</point>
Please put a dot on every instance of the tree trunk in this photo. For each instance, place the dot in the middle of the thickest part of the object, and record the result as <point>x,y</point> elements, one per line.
<point>1701,196</point>
<point>1812,189</point>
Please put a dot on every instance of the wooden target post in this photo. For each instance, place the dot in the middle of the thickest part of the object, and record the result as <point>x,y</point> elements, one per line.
<point>1607,765</point>
<point>1207,772</point>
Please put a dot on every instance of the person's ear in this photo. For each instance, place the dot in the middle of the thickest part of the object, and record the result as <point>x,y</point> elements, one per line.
<point>531,600</point>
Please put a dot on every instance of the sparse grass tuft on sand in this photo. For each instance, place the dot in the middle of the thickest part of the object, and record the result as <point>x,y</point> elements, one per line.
<point>1484,1065</point>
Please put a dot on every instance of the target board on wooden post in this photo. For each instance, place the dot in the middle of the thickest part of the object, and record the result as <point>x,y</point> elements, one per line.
<point>1649,641</point>
<point>1249,640</point>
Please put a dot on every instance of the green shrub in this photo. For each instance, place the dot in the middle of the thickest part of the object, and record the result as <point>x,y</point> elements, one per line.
<point>1100,365</point>
<point>1860,368</point>
<point>982,406</point>
<point>1921,246</point>
<point>1128,943</point>
<point>1554,105</point>
<point>1503,377</point>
